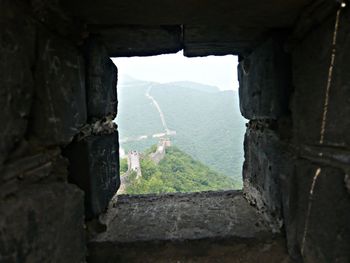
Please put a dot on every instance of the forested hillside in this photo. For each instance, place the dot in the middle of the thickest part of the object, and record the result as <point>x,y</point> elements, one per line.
<point>177,172</point>
<point>207,121</point>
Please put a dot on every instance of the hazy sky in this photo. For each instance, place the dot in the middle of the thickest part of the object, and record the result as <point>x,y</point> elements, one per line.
<point>220,71</point>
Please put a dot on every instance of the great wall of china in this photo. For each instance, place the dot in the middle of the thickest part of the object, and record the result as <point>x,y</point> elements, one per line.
<point>134,162</point>
<point>134,157</point>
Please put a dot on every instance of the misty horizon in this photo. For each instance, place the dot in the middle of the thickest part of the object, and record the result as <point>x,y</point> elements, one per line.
<point>218,71</point>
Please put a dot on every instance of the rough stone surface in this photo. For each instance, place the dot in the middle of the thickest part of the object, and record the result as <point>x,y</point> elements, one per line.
<point>134,40</point>
<point>42,78</point>
<point>316,224</point>
<point>265,162</point>
<point>94,167</point>
<point>250,13</point>
<point>193,227</point>
<point>17,38</point>
<point>50,13</point>
<point>220,40</point>
<point>322,219</point>
<point>101,81</point>
<point>310,71</point>
<point>194,251</point>
<point>265,81</point>
<point>48,165</point>
<point>181,217</point>
<point>311,17</point>
<point>59,109</point>
<point>43,223</point>
<point>135,28</point>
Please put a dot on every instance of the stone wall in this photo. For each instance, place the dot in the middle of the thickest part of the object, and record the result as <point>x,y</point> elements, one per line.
<point>182,227</point>
<point>298,183</point>
<point>320,225</point>
<point>58,149</point>
<point>49,103</point>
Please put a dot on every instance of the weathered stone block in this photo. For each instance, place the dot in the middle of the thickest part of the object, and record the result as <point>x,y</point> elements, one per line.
<point>59,109</point>
<point>94,167</point>
<point>183,216</point>
<point>137,40</point>
<point>101,80</point>
<point>43,223</point>
<point>310,70</point>
<point>264,81</point>
<point>17,38</point>
<point>48,165</point>
<point>317,225</point>
<point>265,162</point>
<point>223,250</point>
<point>50,13</point>
<point>227,39</point>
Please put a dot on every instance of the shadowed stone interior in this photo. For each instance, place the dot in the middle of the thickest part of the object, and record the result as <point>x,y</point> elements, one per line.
<point>191,251</point>
<point>185,228</point>
<point>182,217</point>
<point>58,161</point>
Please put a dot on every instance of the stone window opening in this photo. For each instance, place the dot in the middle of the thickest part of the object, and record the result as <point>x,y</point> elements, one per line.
<point>225,216</point>
<point>188,107</point>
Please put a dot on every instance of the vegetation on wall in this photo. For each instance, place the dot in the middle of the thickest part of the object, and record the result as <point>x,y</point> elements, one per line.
<point>123,166</point>
<point>177,172</point>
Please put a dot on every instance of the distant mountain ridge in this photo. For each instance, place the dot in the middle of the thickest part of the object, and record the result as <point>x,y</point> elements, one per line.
<point>194,85</point>
<point>128,80</point>
<point>207,121</point>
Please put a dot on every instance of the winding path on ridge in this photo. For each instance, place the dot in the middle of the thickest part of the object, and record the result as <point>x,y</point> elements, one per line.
<point>167,131</point>
<point>155,103</point>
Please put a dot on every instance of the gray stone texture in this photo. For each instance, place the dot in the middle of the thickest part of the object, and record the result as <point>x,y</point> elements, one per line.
<point>265,81</point>
<point>101,81</point>
<point>59,109</point>
<point>248,14</point>
<point>269,250</point>
<point>50,14</point>
<point>192,227</point>
<point>322,218</point>
<point>43,97</point>
<point>182,217</point>
<point>48,166</point>
<point>94,167</point>
<point>43,223</point>
<point>316,225</point>
<point>311,60</point>
<point>136,40</point>
<point>204,40</point>
<point>17,41</point>
<point>154,27</point>
<point>265,162</point>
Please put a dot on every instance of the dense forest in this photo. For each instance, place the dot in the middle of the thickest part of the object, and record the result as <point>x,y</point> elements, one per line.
<point>207,121</point>
<point>177,172</point>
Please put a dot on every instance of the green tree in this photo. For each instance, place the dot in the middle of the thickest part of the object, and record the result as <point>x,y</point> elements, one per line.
<point>123,165</point>
<point>178,172</point>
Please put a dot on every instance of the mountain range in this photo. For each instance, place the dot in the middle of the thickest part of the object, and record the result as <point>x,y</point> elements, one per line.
<point>200,119</point>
